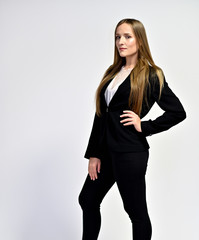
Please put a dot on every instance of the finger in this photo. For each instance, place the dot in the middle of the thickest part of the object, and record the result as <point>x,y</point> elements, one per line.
<point>93,173</point>
<point>92,177</point>
<point>98,167</point>
<point>127,120</point>
<point>126,115</point>
<point>128,111</point>
<point>131,112</point>
<point>129,123</point>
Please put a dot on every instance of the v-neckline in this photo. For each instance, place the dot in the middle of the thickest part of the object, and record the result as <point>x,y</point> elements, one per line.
<point>116,90</point>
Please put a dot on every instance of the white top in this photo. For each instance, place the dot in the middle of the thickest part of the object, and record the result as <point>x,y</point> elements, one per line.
<point>115,83</point>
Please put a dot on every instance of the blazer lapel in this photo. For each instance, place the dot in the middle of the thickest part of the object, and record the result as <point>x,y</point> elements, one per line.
<point>103,100</point>
<point>125,85</point>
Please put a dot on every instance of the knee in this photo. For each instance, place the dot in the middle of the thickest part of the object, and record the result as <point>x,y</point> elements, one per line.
<point>84,201</point>
<point>87,202</point>
<point>137,214</point>
<point>81,200</point>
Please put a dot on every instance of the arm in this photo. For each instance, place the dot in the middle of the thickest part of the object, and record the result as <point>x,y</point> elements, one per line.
<point>93,143</point>
<point>92,151</point>
<point>174,111</point>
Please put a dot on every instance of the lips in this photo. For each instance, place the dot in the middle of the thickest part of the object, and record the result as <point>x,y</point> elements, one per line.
<point>121,49</point>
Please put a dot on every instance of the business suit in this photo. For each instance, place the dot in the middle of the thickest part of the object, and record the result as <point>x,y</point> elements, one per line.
<point>124,156</point>
<point>107,128</point>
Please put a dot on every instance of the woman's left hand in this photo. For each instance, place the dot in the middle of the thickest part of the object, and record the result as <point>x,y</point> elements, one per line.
<point>131,118</point>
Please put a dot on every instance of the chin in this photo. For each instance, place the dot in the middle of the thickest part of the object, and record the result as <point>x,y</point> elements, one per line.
<point>122,55</point>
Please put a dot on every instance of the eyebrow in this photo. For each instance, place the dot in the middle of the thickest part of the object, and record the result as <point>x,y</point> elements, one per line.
<point>124,33</point>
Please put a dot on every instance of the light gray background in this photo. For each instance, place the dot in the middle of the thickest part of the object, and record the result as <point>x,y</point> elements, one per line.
<point>53,55</point>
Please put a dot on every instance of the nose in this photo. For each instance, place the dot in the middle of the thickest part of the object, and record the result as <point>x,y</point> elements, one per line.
<point>121,40</point>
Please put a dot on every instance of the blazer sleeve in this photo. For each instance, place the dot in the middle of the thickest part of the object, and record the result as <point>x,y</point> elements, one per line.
<point>169,102</point>
<point>93,143</point>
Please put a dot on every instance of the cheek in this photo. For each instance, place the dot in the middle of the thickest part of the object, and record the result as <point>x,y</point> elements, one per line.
<point>131,42</point>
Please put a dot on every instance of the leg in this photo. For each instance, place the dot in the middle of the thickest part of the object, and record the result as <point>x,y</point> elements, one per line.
<point>91,197</point>
<point>130,169</point>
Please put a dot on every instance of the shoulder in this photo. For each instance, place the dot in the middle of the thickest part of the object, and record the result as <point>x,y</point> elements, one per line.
<point>156,77</point>
<point>156,81</point>
<point>153,77</point>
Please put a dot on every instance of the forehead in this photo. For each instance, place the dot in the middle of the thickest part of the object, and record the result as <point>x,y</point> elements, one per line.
<point>124,28</point>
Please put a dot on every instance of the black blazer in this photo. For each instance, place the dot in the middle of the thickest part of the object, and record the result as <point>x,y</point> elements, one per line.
<point>108,132</point>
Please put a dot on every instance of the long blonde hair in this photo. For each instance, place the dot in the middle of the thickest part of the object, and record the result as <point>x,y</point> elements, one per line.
<point>139,76</point>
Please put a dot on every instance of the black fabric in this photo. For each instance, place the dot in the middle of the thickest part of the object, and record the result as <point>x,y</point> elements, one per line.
<point>107,128</point>
<point>128,171</point>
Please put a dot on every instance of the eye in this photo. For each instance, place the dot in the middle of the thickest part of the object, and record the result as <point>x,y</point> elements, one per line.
<point>128,36</point>
<point>117,37</point>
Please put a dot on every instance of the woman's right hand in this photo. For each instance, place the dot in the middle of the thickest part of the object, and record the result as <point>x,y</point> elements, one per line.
<point>94,167</point>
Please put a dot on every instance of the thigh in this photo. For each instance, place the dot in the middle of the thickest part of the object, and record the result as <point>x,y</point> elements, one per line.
<point>130,166</point>
<point>130,170</point>
<point>93,192</point>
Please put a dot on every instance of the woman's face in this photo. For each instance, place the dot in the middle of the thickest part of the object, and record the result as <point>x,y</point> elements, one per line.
<point>125,41</point>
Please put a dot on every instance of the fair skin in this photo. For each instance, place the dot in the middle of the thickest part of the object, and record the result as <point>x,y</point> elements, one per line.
<point>127,46</point>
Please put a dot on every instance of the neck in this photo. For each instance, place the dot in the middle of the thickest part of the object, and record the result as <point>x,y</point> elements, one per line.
<point>131,61</point>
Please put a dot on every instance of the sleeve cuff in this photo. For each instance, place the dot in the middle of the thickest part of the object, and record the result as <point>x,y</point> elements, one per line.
<point>145,130</point>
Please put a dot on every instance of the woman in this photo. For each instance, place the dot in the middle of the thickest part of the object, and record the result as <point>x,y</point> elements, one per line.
<point>117,148</point>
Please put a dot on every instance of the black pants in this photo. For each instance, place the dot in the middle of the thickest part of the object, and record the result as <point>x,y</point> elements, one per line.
<point>128,171</point>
